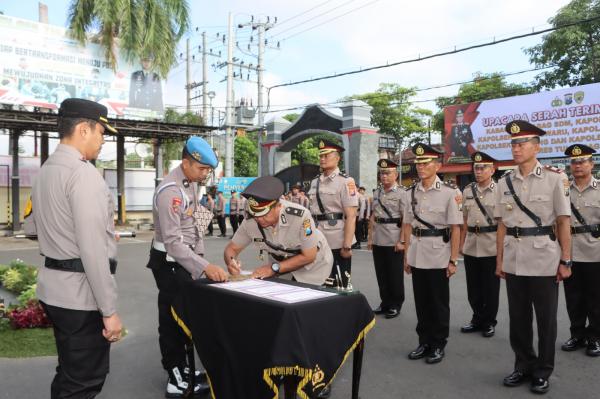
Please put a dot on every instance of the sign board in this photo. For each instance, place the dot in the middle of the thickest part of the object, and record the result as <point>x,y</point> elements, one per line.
<point>227,184</point>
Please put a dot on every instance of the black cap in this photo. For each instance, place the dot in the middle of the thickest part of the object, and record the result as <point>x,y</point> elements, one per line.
<point>425,153</point>
<point>233,191</point>
<point>386,164</point>
<point>579,152</point>
<point>326,146</point>
<point>262,194</point>
<point>297,185</point>
<point>460,112</point>
<point>482,158</point>
<point>80,108</point>
<point>522,131</point>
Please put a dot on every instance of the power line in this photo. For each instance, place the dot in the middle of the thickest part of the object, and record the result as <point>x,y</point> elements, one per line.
<point>302,13</point>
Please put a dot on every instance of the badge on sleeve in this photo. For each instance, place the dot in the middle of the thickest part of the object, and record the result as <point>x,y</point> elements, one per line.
<point>175,202</point>
<point>351,188</point>
<point>567,186</point>
<point>306,227</point>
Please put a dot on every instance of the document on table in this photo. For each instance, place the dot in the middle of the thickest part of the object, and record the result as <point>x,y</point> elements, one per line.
<point>274,291</point>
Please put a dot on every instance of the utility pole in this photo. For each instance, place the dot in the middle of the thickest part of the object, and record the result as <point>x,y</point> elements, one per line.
<point>229,102</point>
<point>204,80</point>
<point>188,72</point>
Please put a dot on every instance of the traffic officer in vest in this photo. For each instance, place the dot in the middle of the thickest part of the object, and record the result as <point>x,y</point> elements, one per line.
<point>533,253</point>
<point>333,203</point>
<point>282,230</point>
<point>478,245</point>
<point>73,218</point>
<point>582,291</point>
<point>386,241</point>
<point>432,221</point>
<point>234,210</point>
<point>177,252</point>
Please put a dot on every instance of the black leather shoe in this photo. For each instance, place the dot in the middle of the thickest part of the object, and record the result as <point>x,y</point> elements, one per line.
<point>539,385</point>
<point>488,331</point>
<point>325,393</point>
<point>593,349</point>
<point>420,352</point>
<point>469,328</point>
<point>356,245</point>
<point>391,313</point>
<point>515,379</point>
<point>435,357</point>
<point>573,344</point>
<point>379,310</point>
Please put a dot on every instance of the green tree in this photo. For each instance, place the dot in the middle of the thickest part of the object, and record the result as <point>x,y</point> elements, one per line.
<point>137,28</point>
<point>483,87</point>
<point>573,50</point>
<point>245,160</point>
<point>172,149</point>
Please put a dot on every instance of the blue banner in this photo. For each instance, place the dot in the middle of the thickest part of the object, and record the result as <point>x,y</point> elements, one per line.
<point>227,184</point>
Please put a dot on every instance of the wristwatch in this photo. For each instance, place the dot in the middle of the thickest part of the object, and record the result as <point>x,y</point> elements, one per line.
<point>454,262</point>
<point>566,263</point>
<point>275,267</point>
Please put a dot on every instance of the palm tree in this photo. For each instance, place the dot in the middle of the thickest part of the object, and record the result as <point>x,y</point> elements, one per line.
<point>137,28</point>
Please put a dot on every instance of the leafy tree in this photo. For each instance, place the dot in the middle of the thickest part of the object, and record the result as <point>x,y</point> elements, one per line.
<point>139,28</point>
<point>245,160</point>
<point>291,117</point>
<point>573,50</point>
<point>172,149</point>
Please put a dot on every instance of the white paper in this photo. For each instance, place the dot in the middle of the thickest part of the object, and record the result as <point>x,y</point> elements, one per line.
<point>274,291</point>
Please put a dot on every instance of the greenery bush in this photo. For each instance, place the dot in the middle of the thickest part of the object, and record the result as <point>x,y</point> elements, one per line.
<point>18,277</point>
<point>3,269</point>
<point>28,295</point>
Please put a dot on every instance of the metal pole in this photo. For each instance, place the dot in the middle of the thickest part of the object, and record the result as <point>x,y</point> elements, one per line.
<point>121,179</point>
<point>229,103</point>
<point>204,80</point>
<point>188,68</point>
<point>15,181</point>
<point>259,71</point>
<point>158,162</point>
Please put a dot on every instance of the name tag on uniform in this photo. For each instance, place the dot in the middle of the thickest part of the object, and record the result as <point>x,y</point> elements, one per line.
<point>259,240</point>
<point>507,193</point>
<point>469,197</point>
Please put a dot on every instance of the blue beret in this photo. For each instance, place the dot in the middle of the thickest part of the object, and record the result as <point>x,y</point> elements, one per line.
<point>201,151</point>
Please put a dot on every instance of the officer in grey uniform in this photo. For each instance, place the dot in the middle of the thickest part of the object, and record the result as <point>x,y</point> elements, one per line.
<point>283,230</point>
<point>478,245</point>
<point>210,205</point>
<point>386,240</point>
<point>145,90</point>
<point>532,208</point>
<point>234,210</point>
<point>363,216</point>
<point>296,197</point>
<point>220,213</point>
<point>432,221</point>
<point>333,203</point>
<point>582,291</point>
<point>177,252</point>
<point>73,219</point>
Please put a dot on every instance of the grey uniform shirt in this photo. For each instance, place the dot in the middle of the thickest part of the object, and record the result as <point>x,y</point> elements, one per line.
<point>296,199</point>
<point>482,244</point>
<point>543,192</point>
<point>337,192</point>
<point>364,207</point>
<point>585,247</point>
<point>234,205</point>
<point>387,234</point>
<point>73,216</point>
<point>437,206</point>
<point>295,230</point>
<point>179,227</point>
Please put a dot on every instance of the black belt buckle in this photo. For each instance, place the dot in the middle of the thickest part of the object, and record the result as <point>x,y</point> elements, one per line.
<point>516,233</point>
<point>331,220</point>
<point>477,230</point>
<point>418,231</point>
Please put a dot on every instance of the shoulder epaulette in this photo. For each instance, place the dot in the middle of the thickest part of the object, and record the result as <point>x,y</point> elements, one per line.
<point>553,169</point>
<point>344,174</point>
<point>508,172</point>
<point>449,183</point>
<point>294,211</point>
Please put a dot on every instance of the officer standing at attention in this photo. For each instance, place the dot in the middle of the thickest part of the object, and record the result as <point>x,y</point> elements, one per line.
<point>364,214</point>
<point>210,205</point>
<point>432,221</point>
<point>532,208</point>
<point>285,231</point>
<point>386,240</point>
<point>73,219</point>
<point>220,213</point>
<point>177,252</point>
<point>234,205</point>
<point>296,197</point>
<point>582,291</point>
<point>478,245</point>
<point>333,203</point>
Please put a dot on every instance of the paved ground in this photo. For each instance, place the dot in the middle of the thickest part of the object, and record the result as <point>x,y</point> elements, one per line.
<point>473,368</point>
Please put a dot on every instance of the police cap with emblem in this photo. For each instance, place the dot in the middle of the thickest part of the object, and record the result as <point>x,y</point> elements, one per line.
<point>262,194</point>
<point>522,131</point>
<point>425,153</point>
<point>386,164</point>
<point>197,148</point>
<point>86,109</point>
<point>579,152</point>
<point>326,146</point>
<point>481,158</point>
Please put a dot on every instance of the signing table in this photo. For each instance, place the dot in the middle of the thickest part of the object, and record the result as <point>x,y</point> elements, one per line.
<point>249,334</point>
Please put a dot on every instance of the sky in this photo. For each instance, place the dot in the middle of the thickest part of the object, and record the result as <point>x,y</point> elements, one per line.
<point>319,37</point>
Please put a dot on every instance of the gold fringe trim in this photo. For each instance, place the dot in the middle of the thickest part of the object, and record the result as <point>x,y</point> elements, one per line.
<point>185,329</point>
<point>307,373</point>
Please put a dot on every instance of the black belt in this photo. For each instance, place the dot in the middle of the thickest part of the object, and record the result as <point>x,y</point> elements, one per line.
<point>481,229</point>
<point>330,216</point>
<point>387,220</point>
<point>74,265</point>
<point>588,228</point>
<point>419,232</point>
<point>530,231</point>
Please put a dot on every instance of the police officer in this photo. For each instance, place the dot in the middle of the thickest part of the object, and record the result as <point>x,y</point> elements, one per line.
<point>386,240</point>
<point>220,213</point>
<point>532,208</point>
<point>581,289</point>
<point>145,90</point>
<point>333,202</point>
<point>432,222</point>
<point>460,137</point>
<point>364,213</point>
<point>210,205</point>
<point>177,252</point>
<point>478,245</point>
<point>284,231</point>
<point>295,196</point>
<point>73,219</point>
<point>234,205</point>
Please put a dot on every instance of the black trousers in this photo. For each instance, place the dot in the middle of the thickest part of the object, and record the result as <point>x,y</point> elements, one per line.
<point>233,219</point>
<point>582,294</point>
<point>432,302</point>
<point>210,227</point>
<point>345,265</point>
<point>390,276</point>
<point>362,227</point>
<point>526,294</point>
<point>83,353</point>
<point>483,289</point>
<point>171,338</point>
<point>221,223</point>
